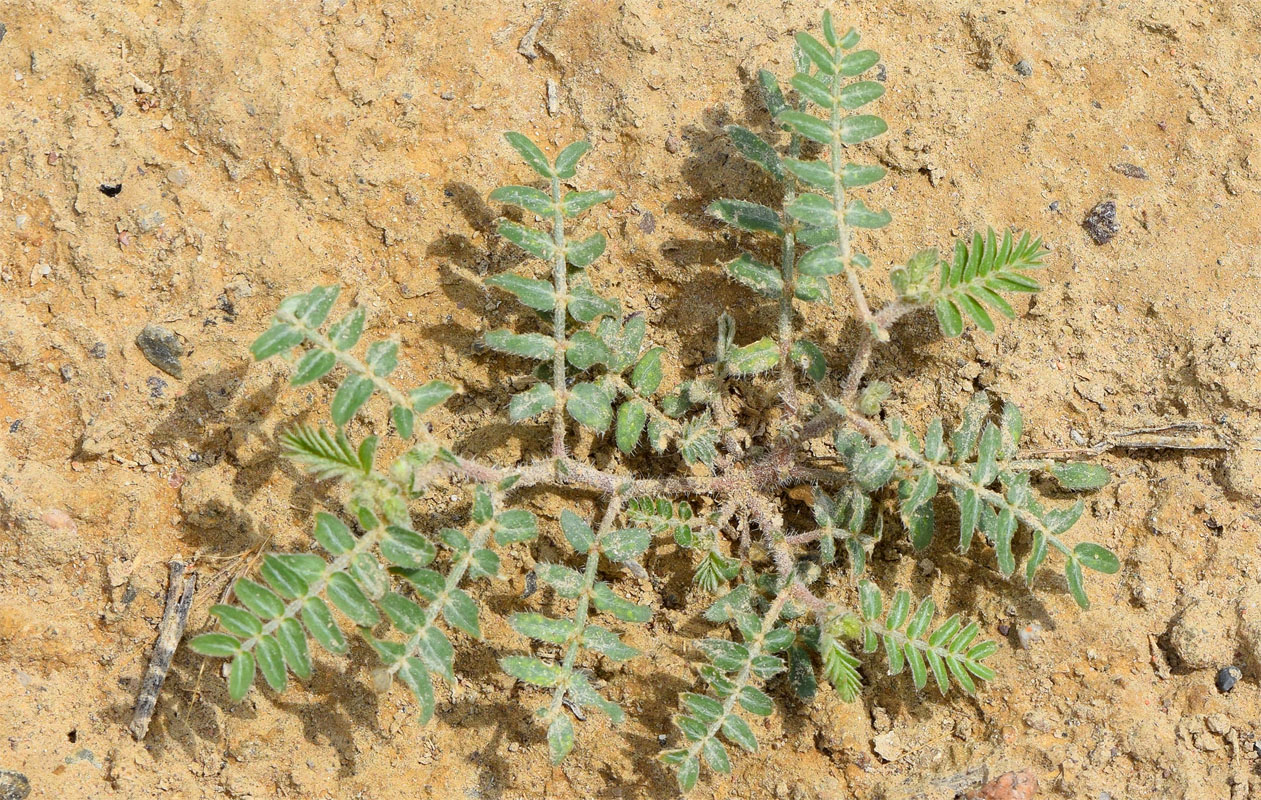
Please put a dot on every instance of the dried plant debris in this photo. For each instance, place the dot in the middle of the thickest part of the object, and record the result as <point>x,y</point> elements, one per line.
<point>594,376</point>
<point>1101,223</point>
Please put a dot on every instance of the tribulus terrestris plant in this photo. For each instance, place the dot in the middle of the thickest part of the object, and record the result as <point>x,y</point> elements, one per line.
<point>772,611</point>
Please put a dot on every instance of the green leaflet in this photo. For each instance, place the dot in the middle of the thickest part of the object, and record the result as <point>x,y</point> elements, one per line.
<point>536,243</point>
<point>747,216</point>
<point>754,358</point>
<point>532,402</point>
<point>755,149</point>
<point>529,151</point>
<point>533,293</point>
<point>631,418</point>
<point>526,197</point>
<point>583,252</point>
<point>757,276</point>
<point>590,406</point>
<point>526,345</point>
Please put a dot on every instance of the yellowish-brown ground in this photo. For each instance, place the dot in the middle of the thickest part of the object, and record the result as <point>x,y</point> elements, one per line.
<point>265,147</point>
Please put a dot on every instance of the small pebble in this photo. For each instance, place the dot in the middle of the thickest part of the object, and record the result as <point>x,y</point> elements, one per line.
<point>673,144</point>
<point>3,31</point>
<point>67,373</point>
<point>1227,677</point>
<point>156,386</point>
<point>163,349</point>
<point>1003,629</point>
<point>98,350</point>
<point>1029,634</point>
<point>111,189</point>
<point>1023,67</point>
<point>1101,223</point>
<point>13,785</point>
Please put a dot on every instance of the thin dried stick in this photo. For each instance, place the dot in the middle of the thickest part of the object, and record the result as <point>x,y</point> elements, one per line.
<point>179,600</point>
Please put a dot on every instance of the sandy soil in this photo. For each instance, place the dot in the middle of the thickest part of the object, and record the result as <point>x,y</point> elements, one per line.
<point>265,147</point>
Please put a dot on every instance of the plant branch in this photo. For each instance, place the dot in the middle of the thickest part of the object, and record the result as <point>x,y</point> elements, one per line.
<point>560,279</point>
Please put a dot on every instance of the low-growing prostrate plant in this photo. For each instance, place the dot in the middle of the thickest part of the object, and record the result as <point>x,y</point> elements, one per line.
<point>725,502</point>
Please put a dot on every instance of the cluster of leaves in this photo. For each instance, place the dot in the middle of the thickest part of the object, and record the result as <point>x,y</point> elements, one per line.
<point>979,454</point>
<point>574,634</point>
<point>407,591</point>
<point>606,353</point>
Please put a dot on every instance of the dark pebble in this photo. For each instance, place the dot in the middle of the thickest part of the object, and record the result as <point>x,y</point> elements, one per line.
<point>13,785</point>
<point>1227,677</point>
<point>163,349</point>
<point>67,373</point>
<point>111,189</point>
<point>1101,223</point>
<point>156,386</point>
<point>3,31</point>
<point>647,222</point>
<point>531,584</point>
<point>17,424</point>
<point>1023,67</point>
<point>1004,628</point>
<point>98,350</point>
